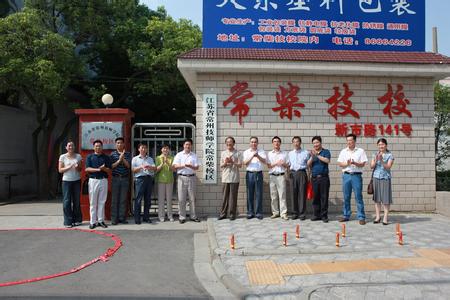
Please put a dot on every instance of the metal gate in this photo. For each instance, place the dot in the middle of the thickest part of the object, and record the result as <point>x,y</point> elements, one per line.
<point>155,135</point>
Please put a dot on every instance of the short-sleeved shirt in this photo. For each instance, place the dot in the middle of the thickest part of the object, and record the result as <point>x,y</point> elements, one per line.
<point>230,174</point>
<point>255,164</point>
<point>183,158</point>
<point>319,167</point>
<point>72,174</point>
<point>275,156</point>
<point>380,172</point>
<point>139,161</point>
<point>357,155</point>
<point>96,161</point>
<point>298,159</point>
<point>165,175</point>
<point>120,170</point>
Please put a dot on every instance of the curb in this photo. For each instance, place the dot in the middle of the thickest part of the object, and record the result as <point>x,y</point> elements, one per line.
<point>224,276</point>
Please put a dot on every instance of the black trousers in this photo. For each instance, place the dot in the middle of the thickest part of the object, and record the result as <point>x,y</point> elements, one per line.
<point>321,188</point>
<point>299,181</point>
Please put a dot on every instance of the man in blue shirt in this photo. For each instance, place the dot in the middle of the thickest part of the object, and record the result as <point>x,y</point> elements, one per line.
<point>143,168</point>
<point>298,159</point>
<point>97,166</point>
<point>121,162</point>
<point>320,158</point>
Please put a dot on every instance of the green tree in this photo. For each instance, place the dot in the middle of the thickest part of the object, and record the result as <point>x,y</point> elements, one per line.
<point>39,65</point>
<point>126,49</point>
<point>442,123</point>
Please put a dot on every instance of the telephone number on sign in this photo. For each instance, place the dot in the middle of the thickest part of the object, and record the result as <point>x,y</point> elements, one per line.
<point>388,42</point>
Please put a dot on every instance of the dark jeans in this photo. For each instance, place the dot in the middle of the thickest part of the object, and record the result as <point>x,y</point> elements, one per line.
<point>142,189</point>
<point>71,202</point>
<point>299,181</point>
<point>254,184</point>
<point>119,193</point>
<point>321,188</point>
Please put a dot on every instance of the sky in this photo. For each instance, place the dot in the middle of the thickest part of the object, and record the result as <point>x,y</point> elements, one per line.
<point>437,15</point>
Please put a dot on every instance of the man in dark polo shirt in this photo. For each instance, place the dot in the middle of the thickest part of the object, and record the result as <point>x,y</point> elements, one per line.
<point>320,158</point>
<point>97,166</point>
<point>121,161</point>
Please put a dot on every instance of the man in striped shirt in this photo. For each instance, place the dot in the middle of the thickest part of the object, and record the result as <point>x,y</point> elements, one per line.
<point>121,161</point>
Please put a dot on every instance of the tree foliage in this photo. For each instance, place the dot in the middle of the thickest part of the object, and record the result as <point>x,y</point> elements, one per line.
<point>442,123</point>
<point>39,65</point>
<point>55,49</point>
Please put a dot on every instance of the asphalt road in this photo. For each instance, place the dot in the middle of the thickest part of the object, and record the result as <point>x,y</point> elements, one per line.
<point>150,265</point>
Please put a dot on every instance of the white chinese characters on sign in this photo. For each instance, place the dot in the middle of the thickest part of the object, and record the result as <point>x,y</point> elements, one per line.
<point>209,138</point>
<point>367,6</point>
<point>401,6</point>
<point>236,5</point>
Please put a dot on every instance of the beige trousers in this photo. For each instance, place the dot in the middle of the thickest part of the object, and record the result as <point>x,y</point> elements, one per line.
<point>278,195</point>
<point>186,187</point>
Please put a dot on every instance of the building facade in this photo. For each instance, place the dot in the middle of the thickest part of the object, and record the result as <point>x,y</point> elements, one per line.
<point>286,93</point>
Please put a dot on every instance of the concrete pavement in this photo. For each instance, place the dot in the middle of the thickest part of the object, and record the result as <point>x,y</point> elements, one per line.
<point>368,264</point>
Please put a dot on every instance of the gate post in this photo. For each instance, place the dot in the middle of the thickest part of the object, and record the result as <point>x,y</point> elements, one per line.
<point>105,125</point>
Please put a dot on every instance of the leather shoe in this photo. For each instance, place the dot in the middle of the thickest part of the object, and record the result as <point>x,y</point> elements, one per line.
<point>250,217</point>
<point>195,220</point>
<point>148,221</point>
<point>316,219</point>
<point>385,223</point>
<point>123,222</point>
<point>343,220</point>
<point>302,218</point>
<point>232,218</point>
<point>92,226</point>
<point>294,217</point>
<point>274,216</point>
<point>114,223</point>
<point>221,217</point>
<point>259,217</point>
<point>182,221</point>
<point>362,222</point>
<point>102,224</point>
<point>325,220</point>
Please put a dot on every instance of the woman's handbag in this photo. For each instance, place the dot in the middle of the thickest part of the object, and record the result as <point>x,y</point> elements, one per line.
<point>85,186</point>
<point>370,186</point>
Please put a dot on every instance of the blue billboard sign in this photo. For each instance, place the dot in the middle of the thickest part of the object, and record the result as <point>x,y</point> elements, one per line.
<point>375,25</point>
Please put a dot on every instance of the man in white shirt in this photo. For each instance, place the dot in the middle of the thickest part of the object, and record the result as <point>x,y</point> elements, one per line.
<point>352,161</point>
<point>277,161</point>
<point>186,163</point>
<point>298,161</point>
<point>143,168</point>
<point>254,159</point>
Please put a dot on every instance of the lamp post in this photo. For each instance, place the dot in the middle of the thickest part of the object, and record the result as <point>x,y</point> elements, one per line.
<point>107,100</point>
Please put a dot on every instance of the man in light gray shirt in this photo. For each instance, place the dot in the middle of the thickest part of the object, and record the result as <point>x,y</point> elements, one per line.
<point>298,159</point>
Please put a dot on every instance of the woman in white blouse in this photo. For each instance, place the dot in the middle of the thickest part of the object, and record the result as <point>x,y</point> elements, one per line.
<point>70,166</point>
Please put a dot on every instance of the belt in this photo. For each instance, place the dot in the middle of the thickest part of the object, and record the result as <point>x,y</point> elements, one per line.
<point>352,173</point>
<point>320,176</point>
<point>254,171</point>
<point>299,170</point>
<point>277,174</point>
<point>121,176</point>
<point>187,175</point>
<point>98,177</point>
<point>143,176</point>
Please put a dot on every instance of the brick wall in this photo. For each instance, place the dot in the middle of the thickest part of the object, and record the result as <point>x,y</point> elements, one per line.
<point>413,171</point>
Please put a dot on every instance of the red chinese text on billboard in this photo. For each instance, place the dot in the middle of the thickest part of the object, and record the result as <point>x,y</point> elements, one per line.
<point>372,130</point>
<point>400,102</point>
<point>239,94</point>
<point>287,100</point>
<point>340,104</point>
